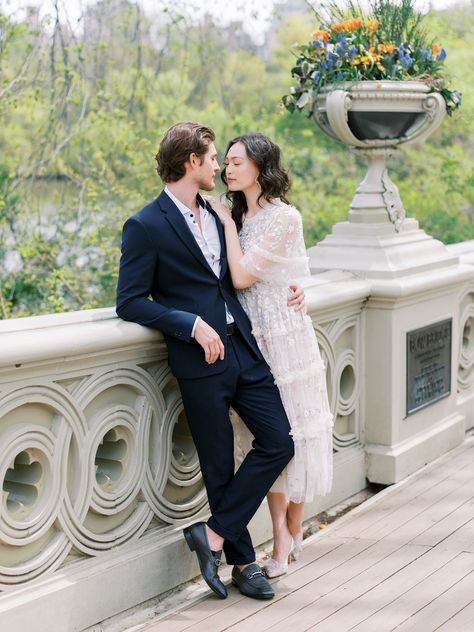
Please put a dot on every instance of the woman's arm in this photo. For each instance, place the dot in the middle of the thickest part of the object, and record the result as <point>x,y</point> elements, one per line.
<point>241,278</point>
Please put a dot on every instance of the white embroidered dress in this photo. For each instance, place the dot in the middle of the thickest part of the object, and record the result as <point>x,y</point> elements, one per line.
<point>274,251</point>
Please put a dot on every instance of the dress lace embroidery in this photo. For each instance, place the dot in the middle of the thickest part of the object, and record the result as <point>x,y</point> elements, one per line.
<point>274,251</point>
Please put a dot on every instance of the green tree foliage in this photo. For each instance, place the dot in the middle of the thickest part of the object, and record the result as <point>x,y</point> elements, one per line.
<point>82,113</point>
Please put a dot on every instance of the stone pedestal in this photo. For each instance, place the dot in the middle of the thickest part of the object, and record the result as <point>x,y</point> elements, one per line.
<point>415,282</point>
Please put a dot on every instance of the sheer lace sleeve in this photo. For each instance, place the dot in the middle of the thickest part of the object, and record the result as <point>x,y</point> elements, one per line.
<point>278,254</point>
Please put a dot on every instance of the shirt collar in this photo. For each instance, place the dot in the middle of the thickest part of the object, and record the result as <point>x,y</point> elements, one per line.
<point>182,207</point>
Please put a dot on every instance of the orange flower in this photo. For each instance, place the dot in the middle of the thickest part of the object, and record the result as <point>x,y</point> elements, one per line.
<point>386,48</point>
<point>349,25</point>
<point>358,23</point>
<point>372,25</point>
<point>337,26</point>
<point>436,48</point>
<point>322,35</point>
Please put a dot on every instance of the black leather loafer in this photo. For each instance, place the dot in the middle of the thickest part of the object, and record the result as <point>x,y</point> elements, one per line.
<point>251,582</point>
<point>196,538</point>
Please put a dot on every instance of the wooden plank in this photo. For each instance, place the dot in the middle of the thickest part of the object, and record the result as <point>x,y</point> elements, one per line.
<point>445,530</point>
<point>463,621</point>
<point>310,607</point>
<point>462,539</point>
<point>405,593</point>
<point>326,555</point>
<point>368,514</point>
<point>323,569</point>
<point>409,507</point>
<point>449,516</point>
<point>442,609</point>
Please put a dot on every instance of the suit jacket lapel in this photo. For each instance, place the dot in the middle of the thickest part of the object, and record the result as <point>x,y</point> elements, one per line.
<point>180,226</point>
<point>220,230</point>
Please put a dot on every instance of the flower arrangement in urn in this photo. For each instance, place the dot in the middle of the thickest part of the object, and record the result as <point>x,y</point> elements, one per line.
<point>387,43</point>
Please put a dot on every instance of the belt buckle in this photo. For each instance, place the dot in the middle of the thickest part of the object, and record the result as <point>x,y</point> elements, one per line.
<point>231,329</point>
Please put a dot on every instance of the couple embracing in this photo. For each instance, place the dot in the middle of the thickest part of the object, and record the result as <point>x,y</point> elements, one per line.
<point>221,280</point>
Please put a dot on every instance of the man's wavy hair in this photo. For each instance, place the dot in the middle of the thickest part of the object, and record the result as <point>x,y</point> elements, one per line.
<point>273,179</point>
<point>179,142</point>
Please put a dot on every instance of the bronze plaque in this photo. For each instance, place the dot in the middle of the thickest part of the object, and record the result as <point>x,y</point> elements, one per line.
<point>428,364</point>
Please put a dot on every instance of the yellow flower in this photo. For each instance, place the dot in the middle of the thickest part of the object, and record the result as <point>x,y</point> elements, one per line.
<point>355,62</point>
<point>380,67</point>
<point>372,25</point>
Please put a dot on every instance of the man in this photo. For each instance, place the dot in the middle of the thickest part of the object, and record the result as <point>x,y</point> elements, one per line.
<point>174,251</point>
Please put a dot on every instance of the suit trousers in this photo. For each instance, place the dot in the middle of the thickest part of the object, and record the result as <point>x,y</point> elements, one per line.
<point>248,386</point>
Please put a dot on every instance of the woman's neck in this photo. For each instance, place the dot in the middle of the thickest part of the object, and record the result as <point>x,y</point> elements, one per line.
<point>254,205</point>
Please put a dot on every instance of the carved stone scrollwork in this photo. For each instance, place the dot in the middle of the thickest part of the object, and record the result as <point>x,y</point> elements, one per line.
<point>339,344</point>
<point>393,202</point>
<point>466,344</point>
<point>87,465</point>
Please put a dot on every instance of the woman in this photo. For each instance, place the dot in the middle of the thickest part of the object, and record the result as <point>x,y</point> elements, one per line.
<point>265,250</point>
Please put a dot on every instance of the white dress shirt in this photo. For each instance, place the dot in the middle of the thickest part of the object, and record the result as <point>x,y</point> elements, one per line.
<point>207,239</point>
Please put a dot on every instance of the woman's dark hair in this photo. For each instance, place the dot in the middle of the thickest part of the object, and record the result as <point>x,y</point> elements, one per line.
<point>273,179</point>
<point>181,140</point>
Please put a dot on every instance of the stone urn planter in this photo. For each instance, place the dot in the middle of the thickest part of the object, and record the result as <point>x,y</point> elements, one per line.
<point>374,118</point>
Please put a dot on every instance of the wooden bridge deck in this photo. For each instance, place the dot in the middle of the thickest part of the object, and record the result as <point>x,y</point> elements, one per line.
<point>403,560</point>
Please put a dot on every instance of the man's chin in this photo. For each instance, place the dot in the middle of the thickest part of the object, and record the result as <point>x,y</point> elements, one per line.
<point>206,186</point>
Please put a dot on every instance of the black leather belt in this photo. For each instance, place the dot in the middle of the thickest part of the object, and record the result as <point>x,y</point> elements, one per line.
<point>231,329</point>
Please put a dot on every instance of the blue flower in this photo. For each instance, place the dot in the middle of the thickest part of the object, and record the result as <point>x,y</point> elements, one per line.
<point>339,49</point>
<point>342,39</point>
<point>315,76</point>
<point>352,50</point>
<point>441,55</point>
<point>340,76</point>
<point>332,57</point>
<point>324,64</point>
<point>426,54</point>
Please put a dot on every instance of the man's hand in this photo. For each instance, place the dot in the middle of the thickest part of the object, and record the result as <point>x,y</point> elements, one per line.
<point>296,299</point>
<point>210,341</point>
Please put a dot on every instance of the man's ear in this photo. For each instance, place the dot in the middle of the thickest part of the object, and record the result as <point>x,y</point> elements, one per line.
<point>195,160</point>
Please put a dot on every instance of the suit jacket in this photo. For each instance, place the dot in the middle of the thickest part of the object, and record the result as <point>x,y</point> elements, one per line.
<point>162,260</point>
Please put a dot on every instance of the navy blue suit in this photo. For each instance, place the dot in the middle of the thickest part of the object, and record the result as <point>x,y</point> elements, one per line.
<point>162,260</point>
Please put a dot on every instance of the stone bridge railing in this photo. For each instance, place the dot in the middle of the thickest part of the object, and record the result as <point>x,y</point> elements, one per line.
<point>98,470</point>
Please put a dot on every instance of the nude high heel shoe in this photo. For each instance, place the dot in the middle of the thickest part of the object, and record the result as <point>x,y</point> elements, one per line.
<point>273,568</point>
<point>297,546</point>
